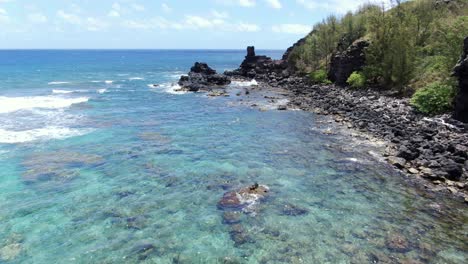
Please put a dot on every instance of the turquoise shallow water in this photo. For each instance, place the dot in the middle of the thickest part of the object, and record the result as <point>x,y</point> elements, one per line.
<point>97,167</point>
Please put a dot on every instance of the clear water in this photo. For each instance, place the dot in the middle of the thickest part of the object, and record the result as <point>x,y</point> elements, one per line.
<point>119,172</point>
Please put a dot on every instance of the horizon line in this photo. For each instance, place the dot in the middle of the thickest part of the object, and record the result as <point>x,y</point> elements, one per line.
<point>148,49</point>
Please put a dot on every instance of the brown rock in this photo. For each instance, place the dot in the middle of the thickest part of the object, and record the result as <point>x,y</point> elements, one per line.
<point>398,243</point>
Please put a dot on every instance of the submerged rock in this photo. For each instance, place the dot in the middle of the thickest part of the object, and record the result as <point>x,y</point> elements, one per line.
<point>243,199</point>
<point>398,243</point>
<point>10,252</point>
<point>60,165</point>
<point>234,203</point>
<point>231,217</point>
<point>143,250</point>
<point>293,210</point>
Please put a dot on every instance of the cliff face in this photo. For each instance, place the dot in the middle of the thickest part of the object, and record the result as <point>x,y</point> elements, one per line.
<point>461,71</point>
<point>343,64</point>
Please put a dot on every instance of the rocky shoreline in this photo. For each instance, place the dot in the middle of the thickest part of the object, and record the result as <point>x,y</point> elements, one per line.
<point>430,150</point>
<point>434,150</point>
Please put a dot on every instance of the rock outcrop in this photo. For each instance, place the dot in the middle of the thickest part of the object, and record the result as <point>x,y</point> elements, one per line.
<point>258,66</point>
<point>343,64</point>
<point>202,78</point>
<point>461,71</point>
<point>235,204</point>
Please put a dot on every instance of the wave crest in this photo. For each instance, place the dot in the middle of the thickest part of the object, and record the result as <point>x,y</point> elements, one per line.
<point>12,104</point>
<point>46,133</point>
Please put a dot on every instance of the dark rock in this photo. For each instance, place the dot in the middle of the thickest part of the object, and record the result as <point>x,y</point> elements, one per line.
<point>397,243</point>
<point>461,71</point>
<point>250,51</point>
<point>239,235</point>
<point>231,218</point>
<point>203,68</point>
<point>282,107</point>
<point>260,67</point>
<point>243,198</point>
<point>202,78</point>
<point>346,62</point>
<point>397,162</point>
<point>293,210</point>
<point>144,250</point>
<point>407,154</point>
<point>454,171</point>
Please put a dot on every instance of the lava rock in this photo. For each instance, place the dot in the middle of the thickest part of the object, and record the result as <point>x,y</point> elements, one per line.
<point>243,198</point>
<point>343,64</point>
<point>293,210</point>
<point>461,71</point>
<point>397,162</point>
<point>202,78</point>
<point>397,243</point>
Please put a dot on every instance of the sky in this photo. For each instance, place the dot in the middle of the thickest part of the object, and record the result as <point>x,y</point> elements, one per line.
<point>161,24</point>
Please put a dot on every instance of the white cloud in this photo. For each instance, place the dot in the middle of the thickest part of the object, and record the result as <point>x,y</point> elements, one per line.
<point>138,7</point>
<point>165,8</point>
<point>116,6</point>
<point>69,17</point>
<point>297,29</point>
<point>95,24</point>
<point>88,23</point>
<point>218,14</point>
<point>338,6</point>
<point>191,22</point>
<point>4,18</point>
<point>247,3</point>
<point>243,3</point>
<point>37,18</point>
<point>198,22</point>
<point>113,13</point>
<point>245,27</point>
<point>274,4</point>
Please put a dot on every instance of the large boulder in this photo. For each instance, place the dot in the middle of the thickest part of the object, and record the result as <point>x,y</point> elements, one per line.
<point>461,100</point>
<point>344,63</point>
<point>202,78</point>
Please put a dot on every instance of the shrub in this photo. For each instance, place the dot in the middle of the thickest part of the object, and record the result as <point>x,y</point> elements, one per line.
<point>356,80</point>
<point>436,98</point>
<point>320,76</point>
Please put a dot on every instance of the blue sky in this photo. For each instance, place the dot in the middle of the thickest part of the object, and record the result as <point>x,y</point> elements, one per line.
<point>160,24</point>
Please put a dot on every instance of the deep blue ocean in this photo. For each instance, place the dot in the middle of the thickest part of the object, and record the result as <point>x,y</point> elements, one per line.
<point>99,166</point>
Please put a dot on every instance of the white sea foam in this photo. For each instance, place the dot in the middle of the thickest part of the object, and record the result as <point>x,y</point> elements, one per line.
<point>172,88</point>
<point>136,78</point>
<point>109,82</point>
<point>12,104</point>
<point>57,83</point>
<point>61,91</point>
<point>253,82</point>
<point>97,81</point>
<point>101,91</point>
<point>50,132</point>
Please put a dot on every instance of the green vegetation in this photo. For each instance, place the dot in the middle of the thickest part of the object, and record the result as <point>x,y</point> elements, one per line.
<point>435,98</point>
<point>319,76</point>
<point>356,80</point>
<point>413,44</point>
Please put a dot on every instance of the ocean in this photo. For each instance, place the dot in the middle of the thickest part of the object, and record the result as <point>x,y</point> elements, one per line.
<point>99,165</point>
